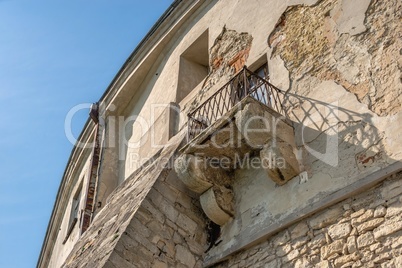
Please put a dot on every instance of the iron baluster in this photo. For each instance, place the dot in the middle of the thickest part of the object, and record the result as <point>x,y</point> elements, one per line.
<point>244,83</point>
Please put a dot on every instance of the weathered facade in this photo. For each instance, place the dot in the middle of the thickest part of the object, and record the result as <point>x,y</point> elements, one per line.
<point>191,159</point>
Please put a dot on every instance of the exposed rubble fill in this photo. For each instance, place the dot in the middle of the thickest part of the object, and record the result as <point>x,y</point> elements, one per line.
<point>361,52</point>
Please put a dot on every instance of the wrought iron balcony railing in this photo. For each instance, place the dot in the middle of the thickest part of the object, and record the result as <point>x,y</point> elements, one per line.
<point>244,83</point>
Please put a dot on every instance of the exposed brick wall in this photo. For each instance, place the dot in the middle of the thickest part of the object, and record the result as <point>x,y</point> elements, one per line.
<point>168,230</point>
<point>363,231</point>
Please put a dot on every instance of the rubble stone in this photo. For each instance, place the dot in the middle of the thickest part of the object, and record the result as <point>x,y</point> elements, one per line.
<point>365,240</point>
<point>338,231</point>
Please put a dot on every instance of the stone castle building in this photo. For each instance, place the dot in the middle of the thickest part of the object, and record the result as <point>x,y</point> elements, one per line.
<point>243,134</point>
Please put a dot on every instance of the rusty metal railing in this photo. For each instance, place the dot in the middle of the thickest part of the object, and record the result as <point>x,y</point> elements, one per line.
<point>244,83</point>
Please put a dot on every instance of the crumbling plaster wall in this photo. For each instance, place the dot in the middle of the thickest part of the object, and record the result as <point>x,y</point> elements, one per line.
<point>160,84</point>
<point>339,77</point>
<point>340,66</point>
<point>339,43</point>
<point>357,45</point>
<point>342,74</point>
<point>228,55</point>
<point>339,70</point>
<point>347,56</point>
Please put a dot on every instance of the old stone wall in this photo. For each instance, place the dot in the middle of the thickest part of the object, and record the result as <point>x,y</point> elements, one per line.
<point>343,96</point>
<point>151,219</point>
<point>362,231</point>
<point>168,230</point>
<point>356,46</point>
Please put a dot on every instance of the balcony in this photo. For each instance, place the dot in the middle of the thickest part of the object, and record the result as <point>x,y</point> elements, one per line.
<point>242,121</point>
<point>244,84</point>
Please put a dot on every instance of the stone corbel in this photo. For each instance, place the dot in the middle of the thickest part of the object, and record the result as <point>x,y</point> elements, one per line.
<point>273,135</point>
<point>279,161</point>
<point>212,183</point>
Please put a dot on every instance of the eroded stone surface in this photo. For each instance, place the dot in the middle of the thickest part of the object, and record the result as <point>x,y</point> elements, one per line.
<point>193,172</point>
<point>280,162</point>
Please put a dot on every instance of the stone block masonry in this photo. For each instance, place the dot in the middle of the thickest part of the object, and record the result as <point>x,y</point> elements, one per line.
<point>362,231</point>
<point>168,230</point>
<point>151,220</point>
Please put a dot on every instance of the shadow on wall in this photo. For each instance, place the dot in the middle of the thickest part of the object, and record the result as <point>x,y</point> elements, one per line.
<point>335,140</point>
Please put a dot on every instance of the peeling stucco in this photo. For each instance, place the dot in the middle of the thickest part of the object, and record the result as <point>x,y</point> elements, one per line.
<point>228,55</point>
<point>360,51</point>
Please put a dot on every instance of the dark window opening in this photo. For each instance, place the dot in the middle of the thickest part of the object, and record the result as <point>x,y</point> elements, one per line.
<point>263,94</point>
<point>262,71</point>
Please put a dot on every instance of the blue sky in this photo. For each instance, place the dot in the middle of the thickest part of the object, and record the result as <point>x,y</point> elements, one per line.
<point>53,56</point>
